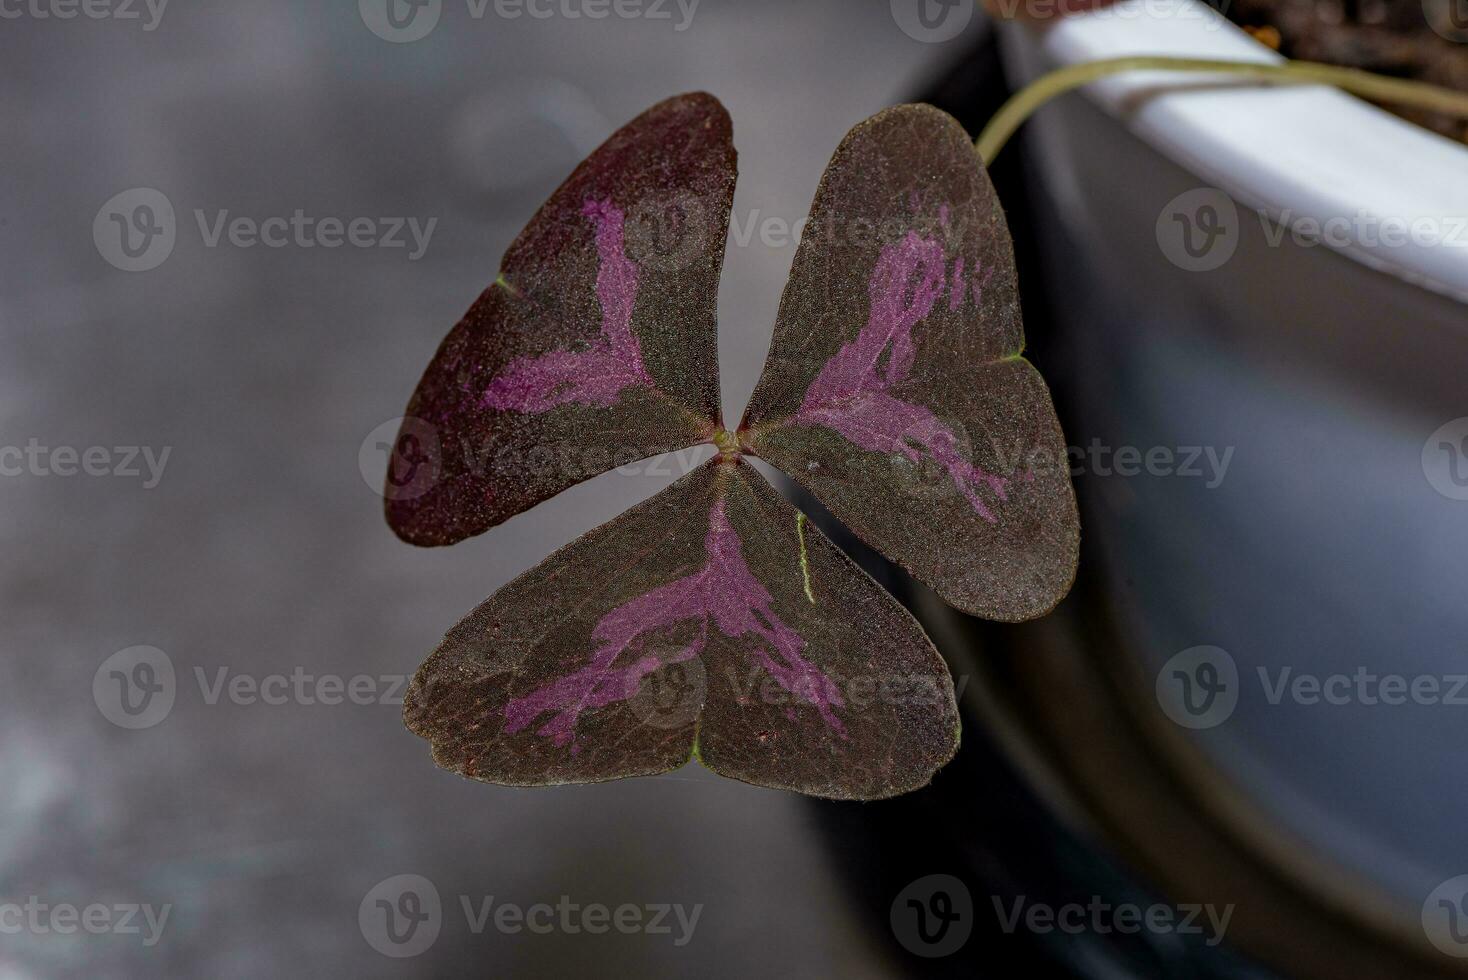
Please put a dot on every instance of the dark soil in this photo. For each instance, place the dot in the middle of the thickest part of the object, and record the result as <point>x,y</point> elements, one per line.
<point>1425,40</point>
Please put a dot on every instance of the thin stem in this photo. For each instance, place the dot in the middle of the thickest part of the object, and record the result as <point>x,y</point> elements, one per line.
<point>1394,90</point>
<point>804,555</point>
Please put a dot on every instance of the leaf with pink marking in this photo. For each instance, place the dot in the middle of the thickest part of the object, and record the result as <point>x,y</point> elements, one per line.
<point>709,619</point>
<point>596,345</point>
<point>895,390</point>
<point>712,621</point>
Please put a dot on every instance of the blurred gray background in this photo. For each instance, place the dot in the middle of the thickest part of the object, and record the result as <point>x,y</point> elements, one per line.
<point>261,550</point>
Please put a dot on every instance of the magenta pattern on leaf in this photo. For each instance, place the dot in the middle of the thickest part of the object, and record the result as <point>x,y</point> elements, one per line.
<point>852,394</point>
<point>725,593</point>
<point>596,376</point>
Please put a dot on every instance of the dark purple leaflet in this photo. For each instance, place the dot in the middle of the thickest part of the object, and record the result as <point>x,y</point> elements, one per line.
<point>913,419</point>
<point>596,345</point>
<point>842,697</point>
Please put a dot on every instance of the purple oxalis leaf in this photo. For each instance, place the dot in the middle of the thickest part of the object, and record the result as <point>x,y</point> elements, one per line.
<point>916,421</point>
<point>594,347</point>
<point>686,626</point>
<point>712,621</point>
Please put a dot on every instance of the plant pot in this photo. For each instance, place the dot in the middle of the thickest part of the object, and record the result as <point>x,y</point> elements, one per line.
<point>1176,307</point>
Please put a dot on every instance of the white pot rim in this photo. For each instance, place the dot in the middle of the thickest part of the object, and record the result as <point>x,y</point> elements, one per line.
<point>1384,191</point>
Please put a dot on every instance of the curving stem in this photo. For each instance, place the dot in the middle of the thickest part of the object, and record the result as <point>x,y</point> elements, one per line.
<point>1378,87</point>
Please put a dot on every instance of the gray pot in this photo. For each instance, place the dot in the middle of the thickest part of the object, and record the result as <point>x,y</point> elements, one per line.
<point>1255,689</point>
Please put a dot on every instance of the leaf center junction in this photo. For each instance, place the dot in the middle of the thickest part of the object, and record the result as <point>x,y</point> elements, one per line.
<point>727,442</point>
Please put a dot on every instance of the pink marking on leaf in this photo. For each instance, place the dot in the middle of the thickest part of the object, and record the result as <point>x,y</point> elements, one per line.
<point>598,375</point>
<point>723,592</point>
<point>851,395</point>
<point>955,291</point>
<point>979,285</point>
